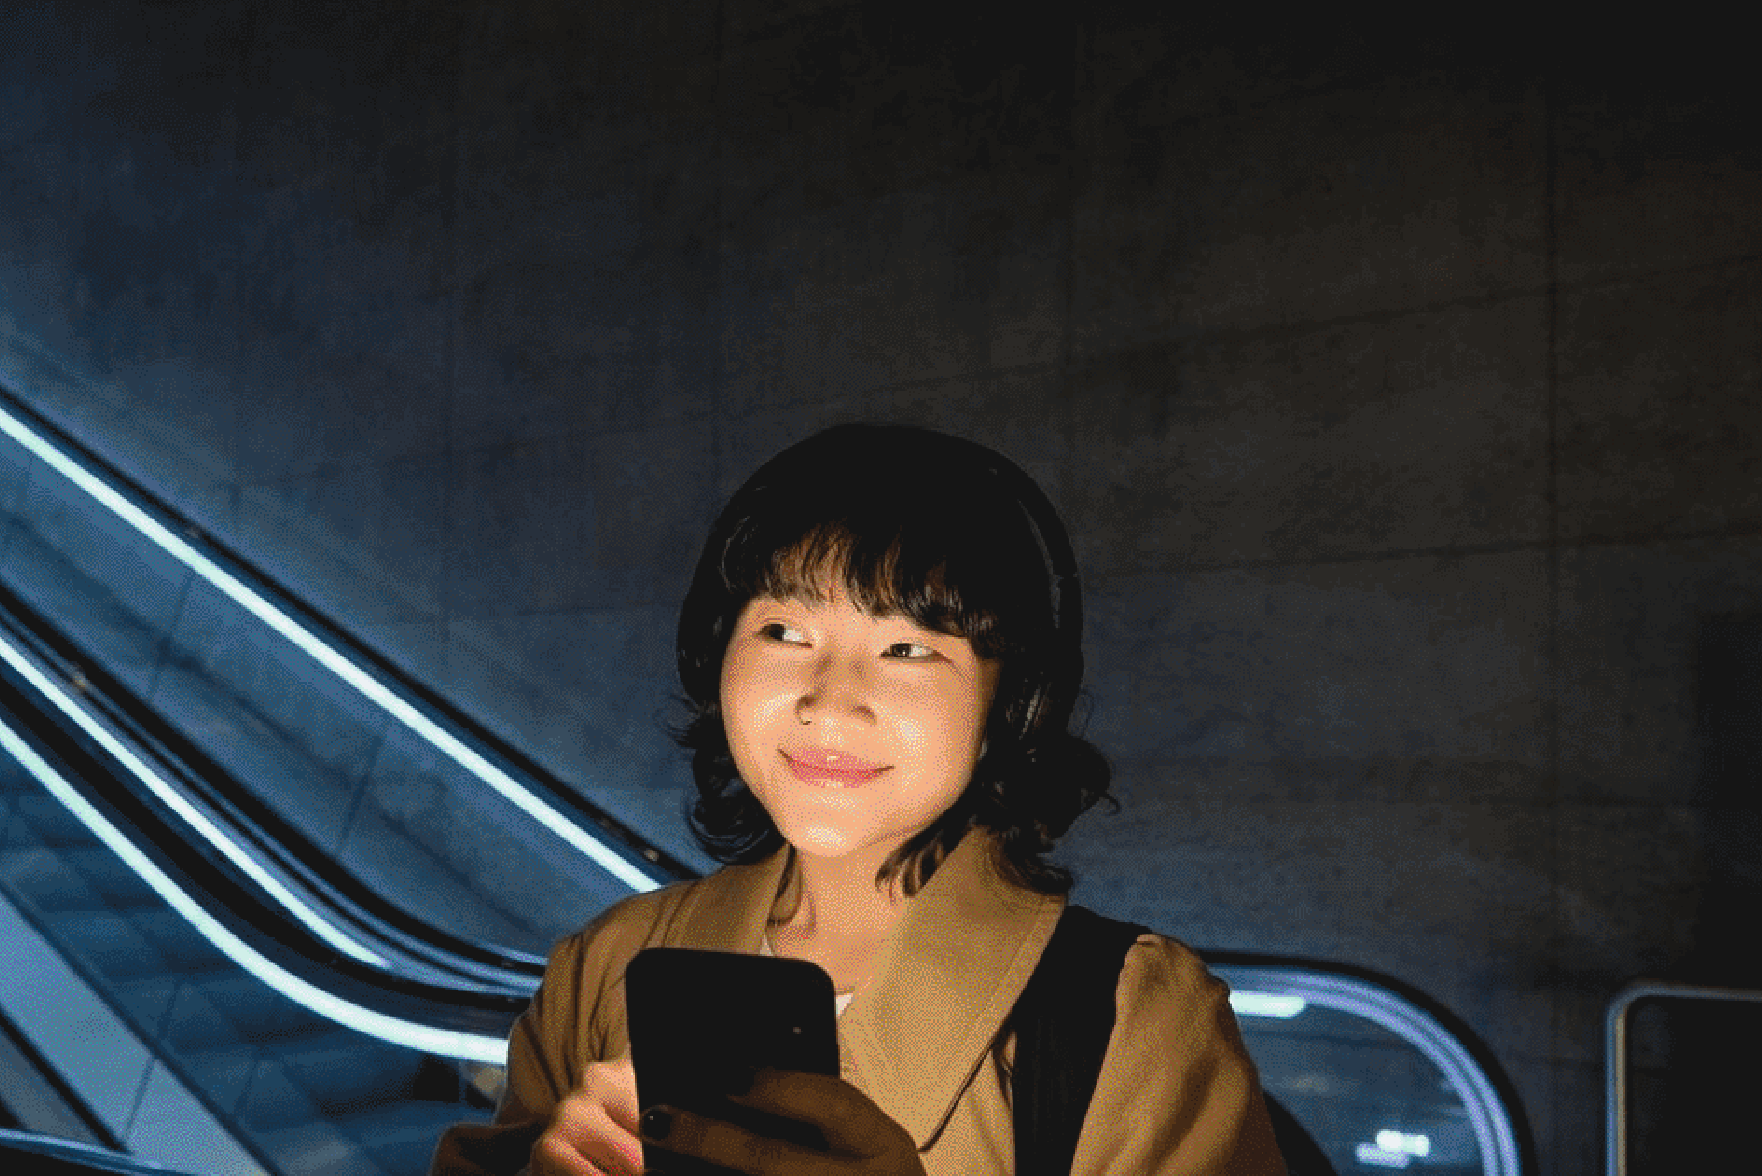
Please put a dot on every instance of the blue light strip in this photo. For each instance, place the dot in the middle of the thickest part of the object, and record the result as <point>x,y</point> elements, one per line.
<point>178,803</point>
<point>308,643</point>
<point>443,1042</point>
<point>1266,1004</point>
<point>1493,1131</point>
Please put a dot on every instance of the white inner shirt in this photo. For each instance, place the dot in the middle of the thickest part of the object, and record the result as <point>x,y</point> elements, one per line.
<point>841,1000</point>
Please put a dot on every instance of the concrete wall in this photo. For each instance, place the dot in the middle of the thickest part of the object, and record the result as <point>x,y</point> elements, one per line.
<point>1400,391</point>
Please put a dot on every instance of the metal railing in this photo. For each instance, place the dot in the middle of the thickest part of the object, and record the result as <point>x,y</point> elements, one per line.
<point>1616,1048</point>
<point>28,1151</point>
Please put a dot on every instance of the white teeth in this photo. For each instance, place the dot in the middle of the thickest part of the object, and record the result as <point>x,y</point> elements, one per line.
<point>832,761</point>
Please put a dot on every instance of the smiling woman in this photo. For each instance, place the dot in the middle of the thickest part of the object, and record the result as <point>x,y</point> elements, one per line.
<point>957,548</point>
<point>853,731</point>
<point>882,649</point>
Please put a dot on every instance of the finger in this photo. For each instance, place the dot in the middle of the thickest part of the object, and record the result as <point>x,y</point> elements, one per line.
<point>582,1128</point>
<point>554,1155</point>
<point>619,1094</point>
<point>850,1121</point>
<point>717,1141</point>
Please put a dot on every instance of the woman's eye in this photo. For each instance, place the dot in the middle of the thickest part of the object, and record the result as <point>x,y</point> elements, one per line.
<point>910,650</point>
<point>778,631</point>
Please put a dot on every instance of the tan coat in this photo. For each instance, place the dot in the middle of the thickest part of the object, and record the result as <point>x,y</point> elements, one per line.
<point>1177,1092</point>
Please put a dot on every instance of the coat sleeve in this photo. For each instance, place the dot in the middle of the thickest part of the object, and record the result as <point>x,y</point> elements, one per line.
<point>562,1030</point>
<point>1178,1094</point>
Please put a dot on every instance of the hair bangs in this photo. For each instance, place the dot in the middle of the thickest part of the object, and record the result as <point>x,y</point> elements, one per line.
<point>887,570</point>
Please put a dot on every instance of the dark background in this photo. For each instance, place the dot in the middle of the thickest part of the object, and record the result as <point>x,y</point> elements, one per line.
<point>1399,386</point>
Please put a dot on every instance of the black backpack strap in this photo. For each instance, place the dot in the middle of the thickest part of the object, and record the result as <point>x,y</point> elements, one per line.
<point>1062,1022</point>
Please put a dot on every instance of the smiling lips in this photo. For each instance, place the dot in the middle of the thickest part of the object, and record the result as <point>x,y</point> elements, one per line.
<point>814,765</point>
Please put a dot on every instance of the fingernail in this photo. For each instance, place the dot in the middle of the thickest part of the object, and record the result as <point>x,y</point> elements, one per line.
<point>656,1123</point>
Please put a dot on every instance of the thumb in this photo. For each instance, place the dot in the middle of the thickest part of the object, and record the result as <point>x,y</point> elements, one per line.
<point>613,1082</point>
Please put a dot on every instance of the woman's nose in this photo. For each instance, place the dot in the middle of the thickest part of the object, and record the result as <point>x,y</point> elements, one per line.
<point>837,688</point>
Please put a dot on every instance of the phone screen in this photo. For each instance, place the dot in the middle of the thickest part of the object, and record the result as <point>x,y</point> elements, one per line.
<point>701,1021</point>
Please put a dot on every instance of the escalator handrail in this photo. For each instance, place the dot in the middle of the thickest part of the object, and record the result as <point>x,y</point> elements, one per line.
<point>236,910</point>
<point>18,418</point>
<point>1496,1113</point>
<point>255,823</point>
<point>46,1154</point>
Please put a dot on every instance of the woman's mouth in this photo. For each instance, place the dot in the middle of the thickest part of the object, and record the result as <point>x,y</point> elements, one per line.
<point>816,765</point>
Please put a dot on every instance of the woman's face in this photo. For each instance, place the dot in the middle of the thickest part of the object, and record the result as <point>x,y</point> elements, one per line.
<point>854,731</point>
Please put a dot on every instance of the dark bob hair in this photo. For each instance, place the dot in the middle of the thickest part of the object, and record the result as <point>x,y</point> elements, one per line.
<point>959,539</point>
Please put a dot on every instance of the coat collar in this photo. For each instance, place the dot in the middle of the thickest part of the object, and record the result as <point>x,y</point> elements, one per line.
<point>961,954</point>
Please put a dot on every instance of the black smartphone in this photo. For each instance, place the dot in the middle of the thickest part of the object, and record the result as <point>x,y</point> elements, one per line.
<point>702,1021</point>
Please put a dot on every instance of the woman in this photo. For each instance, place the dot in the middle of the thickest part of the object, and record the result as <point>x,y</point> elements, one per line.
<point>881,650</point>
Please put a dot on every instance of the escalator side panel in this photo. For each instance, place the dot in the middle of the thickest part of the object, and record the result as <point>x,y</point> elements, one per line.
<point>102,1060</point>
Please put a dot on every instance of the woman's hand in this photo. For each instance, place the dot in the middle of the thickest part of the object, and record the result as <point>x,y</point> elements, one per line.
<point>860,1139</point>
<point>593,1132</point>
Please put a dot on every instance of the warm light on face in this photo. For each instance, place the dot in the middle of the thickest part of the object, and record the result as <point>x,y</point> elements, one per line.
<point>854,731</point>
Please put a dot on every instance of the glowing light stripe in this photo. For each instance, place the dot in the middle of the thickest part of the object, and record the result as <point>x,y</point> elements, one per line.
<point>1493,1132</point>
<point>1267,1004</point>
<point>193,816</point>
<point>1392,1140</point>
<point>240,593</point>
<point>1373,1155</point>
<point>443,1042</point>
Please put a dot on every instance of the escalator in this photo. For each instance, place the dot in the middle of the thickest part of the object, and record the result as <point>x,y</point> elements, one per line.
<point>294,1091</point>
<point>265,905</point>
<point>184,1004</point>
<point>285,902</point>
<point>375,774</point>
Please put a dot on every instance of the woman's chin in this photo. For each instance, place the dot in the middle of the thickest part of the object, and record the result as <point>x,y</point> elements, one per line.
<point>834,843</point>
<point>824,841</point>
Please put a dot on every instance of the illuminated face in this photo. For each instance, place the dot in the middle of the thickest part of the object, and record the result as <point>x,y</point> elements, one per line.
<point>854,731</point>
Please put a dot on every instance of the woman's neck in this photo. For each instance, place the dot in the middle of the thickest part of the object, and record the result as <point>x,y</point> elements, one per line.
<point>840,901</point>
